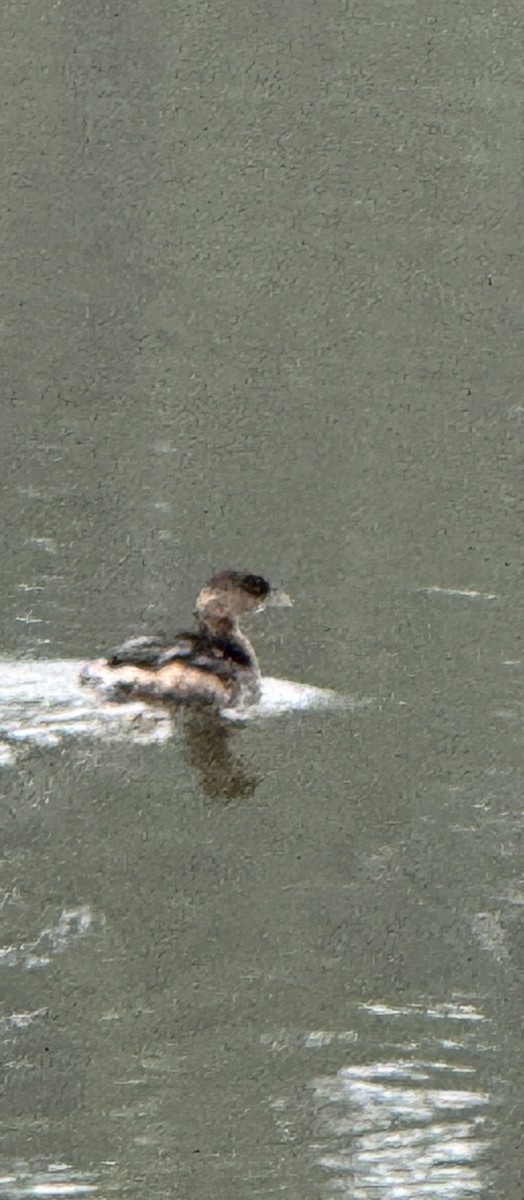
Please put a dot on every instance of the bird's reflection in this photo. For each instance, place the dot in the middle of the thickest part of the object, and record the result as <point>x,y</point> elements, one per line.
<point>210,748</point>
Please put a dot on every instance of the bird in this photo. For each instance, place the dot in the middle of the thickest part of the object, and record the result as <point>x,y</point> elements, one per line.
<point>212,665</point>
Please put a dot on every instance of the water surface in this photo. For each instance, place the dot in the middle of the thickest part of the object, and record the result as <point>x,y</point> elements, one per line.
<point>262,308</point>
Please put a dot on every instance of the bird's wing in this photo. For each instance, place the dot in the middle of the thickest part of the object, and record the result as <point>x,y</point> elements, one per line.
<point>143,651</point>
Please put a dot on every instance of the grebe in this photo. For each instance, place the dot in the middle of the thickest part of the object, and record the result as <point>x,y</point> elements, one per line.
<point>215,664</point>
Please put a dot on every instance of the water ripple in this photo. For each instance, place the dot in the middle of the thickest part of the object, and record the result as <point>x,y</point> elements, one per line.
<point>407,1127</point>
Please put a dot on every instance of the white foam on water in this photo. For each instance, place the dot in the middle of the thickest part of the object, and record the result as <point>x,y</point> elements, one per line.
<point>280,696</point>
<point>465,593</point>
<point>43,702</point>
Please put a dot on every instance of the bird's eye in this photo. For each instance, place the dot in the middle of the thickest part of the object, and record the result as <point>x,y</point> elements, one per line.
<point>256,585</point>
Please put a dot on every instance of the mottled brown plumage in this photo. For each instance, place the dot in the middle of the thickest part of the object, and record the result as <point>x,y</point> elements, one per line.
<point>215,664</point>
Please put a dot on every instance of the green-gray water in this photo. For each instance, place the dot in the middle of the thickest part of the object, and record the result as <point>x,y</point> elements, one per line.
<point>261,306</point>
